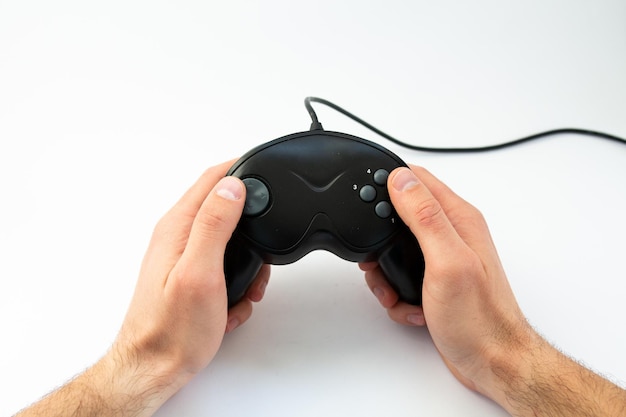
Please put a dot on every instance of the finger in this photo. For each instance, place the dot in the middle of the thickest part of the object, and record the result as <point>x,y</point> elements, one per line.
<point>423,214</point>
<point>380,287</point>
<point>172,231</point>
<point>407,314</point>
<point>398,311</point>
<point>466,219</point>
<point>189,204</point>
<point>213,227</point>
<point>238,314</point>
<point>242,311</point>
<point>257,288</point>
<point>367,266</point>
<point>448,198</point>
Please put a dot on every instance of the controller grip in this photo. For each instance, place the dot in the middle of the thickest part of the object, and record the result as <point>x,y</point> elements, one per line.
<point>403,266</point>
<point>241,266</point>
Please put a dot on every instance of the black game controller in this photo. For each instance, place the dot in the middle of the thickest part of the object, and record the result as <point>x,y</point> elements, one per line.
<point>320,190</point>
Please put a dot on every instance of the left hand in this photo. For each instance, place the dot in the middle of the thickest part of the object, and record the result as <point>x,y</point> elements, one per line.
<point>178,315</point>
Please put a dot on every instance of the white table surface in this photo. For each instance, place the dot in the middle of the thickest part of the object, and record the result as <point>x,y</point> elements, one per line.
<point>109,111</point>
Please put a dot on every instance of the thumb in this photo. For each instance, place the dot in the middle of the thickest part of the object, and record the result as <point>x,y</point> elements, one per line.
<point>422,213</point>
<point>214,225</point>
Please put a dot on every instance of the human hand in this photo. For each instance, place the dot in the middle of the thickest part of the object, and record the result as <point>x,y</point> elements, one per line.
<point>467,303</point>
<point>472,315</point>
<point>179,311</point>
<point>178,315</point>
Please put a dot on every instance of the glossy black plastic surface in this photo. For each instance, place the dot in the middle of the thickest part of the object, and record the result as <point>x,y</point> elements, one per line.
<point>321,194</point>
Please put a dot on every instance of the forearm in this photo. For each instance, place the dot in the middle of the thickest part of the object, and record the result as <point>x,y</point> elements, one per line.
<point>114,386</point>
<point>541,381</point>
<point>179,312</point>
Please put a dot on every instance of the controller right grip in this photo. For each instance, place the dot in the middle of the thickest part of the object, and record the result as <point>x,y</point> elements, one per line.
<point>403,266</point>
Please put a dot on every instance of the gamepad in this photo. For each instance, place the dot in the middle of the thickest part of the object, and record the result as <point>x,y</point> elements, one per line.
<point>320,190</point>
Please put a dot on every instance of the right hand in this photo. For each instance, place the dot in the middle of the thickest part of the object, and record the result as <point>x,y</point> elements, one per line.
<point>467,303</point>
<point>472,315</point>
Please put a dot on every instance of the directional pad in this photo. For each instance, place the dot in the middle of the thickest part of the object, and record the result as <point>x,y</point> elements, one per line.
<point>257,197</point>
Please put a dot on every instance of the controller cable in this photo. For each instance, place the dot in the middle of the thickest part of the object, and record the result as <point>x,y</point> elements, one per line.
<point>316,125</point>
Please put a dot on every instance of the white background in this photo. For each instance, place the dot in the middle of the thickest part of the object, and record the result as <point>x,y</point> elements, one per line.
<point>110,110</point>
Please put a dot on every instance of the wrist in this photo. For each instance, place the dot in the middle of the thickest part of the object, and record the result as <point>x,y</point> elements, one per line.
<point>116,385</point>
<point>133,383</point>
<point>536,379</point>
<point>512,367</point>
<point>502,360</point>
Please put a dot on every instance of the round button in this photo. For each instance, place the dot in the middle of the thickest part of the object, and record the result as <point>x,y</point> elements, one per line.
<point>383,209</point>
<point>380,176</point>
<point>257,197</point>
<point>367,193</point>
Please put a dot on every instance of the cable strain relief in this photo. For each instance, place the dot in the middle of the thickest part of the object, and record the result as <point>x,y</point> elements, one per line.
<point>317,126</point>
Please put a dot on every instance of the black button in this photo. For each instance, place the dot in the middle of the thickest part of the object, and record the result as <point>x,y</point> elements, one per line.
<point>380,176</point>
<point>257,197</point>
<point>367,193</point>
<point>383,209</point>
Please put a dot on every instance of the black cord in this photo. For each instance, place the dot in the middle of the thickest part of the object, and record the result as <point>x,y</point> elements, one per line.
<point>316,125</point>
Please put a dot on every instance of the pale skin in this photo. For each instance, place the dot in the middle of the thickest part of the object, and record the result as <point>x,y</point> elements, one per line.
<point>178,316</point>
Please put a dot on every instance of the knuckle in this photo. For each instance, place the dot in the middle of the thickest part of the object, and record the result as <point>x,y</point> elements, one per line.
<point>428,212</point>
<point>210,223</point>
<point>419,170</point>
<point>162,231</point>
<point>467,215</point>
<point>475,214</point>
<point>194,285</point>
<point>460,277</point>
<point>163,227</point>
<point>168,232</point>
<point>170,222</point>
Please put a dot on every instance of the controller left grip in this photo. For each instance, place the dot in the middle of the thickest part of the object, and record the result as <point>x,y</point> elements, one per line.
<point>241,266</point>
